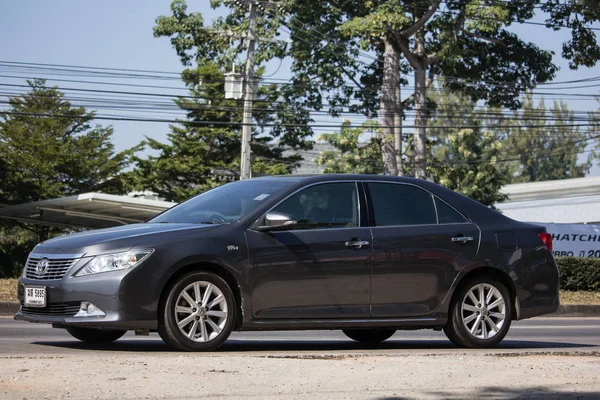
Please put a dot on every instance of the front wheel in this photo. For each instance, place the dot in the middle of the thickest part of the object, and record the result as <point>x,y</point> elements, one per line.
<point>480,314</point>
<point>369,336</point>
<point>198,313</point>
<point>94,336</point>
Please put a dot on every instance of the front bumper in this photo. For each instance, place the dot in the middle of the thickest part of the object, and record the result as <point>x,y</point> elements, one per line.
<point>106,291</point>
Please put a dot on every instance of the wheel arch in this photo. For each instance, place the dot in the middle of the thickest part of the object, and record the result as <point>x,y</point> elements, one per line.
<point>496,273</point>
<point>214,268</point>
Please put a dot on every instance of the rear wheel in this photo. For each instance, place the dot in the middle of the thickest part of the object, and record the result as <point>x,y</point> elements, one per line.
<point>370,336</point>
<point>480,314</point>
<point>94,336</point>
<point>198,313</point>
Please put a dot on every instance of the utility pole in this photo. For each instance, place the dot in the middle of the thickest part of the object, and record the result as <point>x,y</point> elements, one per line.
<point>249,87</point>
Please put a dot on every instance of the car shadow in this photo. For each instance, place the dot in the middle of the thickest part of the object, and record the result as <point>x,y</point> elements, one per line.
<point>254,345</point>
<point>506,393</point>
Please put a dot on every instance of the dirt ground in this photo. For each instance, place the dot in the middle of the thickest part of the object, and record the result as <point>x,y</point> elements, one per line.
<point>192,376</point>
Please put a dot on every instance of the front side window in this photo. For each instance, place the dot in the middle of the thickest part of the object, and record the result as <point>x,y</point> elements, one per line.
<point>330,205</point>
<point>224,204</point>
<point>395,204</point>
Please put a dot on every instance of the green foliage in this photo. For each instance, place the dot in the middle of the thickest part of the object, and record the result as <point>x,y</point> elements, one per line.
<point>203,151</point>
<point>580,16</point>
<point>15,245</point>
<point>544,143</point>
<point>352,156</point>
<point>469,40</point>
<point>579,273</point>
<point>468,165</point>
<point>465,160</point>
<point>49,149</point>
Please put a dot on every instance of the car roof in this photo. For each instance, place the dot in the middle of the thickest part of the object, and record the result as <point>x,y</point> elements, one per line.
<point>340,177</point>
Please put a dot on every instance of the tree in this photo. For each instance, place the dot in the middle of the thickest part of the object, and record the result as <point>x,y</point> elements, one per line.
<point>15,245</point>
<point>467,163</point>
<point>544,144</point>
<point>207,145</point>
<point>204,149</point>
<point>464,160</point>
<point>579,16</point>
<point>49,149</point>
<point>467,45</point>
<point>350,155</point>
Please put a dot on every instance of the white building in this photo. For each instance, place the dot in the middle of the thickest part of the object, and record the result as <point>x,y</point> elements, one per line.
<point>569,201</point>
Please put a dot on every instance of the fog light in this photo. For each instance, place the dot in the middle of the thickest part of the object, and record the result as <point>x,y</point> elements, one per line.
<point>88,309</point>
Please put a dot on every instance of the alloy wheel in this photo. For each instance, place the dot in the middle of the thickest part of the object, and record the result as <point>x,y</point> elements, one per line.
<point>483,311</point>
<point>201,311</point>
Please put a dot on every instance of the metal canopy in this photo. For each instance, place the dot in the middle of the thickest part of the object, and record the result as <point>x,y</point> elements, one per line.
<point>89,211</point>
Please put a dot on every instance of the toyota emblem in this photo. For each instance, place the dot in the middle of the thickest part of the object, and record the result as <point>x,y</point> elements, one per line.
<point>42,266</point>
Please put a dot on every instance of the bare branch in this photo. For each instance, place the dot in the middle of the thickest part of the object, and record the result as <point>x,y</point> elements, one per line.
<point>361,87</point>
<point>410,56</point>
<point>459,26</point>
<point>410,99</point>
<point>410,31</point>
<point>432,59</point>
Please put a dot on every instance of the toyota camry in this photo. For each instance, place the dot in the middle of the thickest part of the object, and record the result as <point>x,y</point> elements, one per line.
<point>368,255</point>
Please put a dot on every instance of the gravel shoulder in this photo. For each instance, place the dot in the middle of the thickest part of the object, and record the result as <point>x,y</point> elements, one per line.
<point>288,376</point>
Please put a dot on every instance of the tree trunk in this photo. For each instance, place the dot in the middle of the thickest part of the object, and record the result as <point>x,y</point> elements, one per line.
<point>388,107</point>
<point>420,107</point>
<point>398,132</point>
<point>43,232</point>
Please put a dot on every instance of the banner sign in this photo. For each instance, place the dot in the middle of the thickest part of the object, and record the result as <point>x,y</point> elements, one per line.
<point>574,240</point>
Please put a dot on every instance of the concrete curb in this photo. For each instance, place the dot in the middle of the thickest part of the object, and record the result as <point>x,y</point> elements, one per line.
<point>568,310</point>
<point>8,307</point>
<point>577,310</point>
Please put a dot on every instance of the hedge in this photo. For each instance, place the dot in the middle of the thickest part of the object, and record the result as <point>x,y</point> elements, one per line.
<point>579,273</point>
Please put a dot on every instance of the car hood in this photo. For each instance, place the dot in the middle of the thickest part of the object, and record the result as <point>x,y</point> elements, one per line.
<point>119,238</point>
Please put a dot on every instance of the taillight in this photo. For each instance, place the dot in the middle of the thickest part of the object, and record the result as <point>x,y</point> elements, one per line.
<point>546,239</point>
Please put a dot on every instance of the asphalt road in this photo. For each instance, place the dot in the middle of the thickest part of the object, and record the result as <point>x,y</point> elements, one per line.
<point>545,335</point>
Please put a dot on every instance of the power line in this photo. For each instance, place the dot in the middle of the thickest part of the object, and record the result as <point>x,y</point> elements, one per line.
<point>233,123</point>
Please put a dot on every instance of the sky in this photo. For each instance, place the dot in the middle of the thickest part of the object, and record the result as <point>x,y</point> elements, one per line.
<point>118,34</point>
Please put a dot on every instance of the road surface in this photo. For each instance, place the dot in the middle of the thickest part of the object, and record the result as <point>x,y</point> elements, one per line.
<point>534,335</point>
<point>544,358</point>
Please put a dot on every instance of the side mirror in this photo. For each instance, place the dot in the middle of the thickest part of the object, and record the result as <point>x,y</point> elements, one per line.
<point>275,221</point>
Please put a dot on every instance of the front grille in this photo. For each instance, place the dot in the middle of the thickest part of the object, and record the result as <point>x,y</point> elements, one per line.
<point>65,310</point>
<point>57,268</point>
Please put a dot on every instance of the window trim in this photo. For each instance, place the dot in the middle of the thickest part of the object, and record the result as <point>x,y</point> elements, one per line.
<point>359,204</point>
<point>371,221</point>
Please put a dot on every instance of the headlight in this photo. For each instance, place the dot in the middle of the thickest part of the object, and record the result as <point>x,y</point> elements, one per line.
<point>114,262</point>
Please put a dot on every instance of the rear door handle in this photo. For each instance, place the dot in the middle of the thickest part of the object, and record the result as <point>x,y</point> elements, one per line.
<point>462,239</point>
<point>357,244</point>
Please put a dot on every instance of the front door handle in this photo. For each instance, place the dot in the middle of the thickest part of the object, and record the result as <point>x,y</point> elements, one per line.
<point>462,239</point>
<point>357,244</point>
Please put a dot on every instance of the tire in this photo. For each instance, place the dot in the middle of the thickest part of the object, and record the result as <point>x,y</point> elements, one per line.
<point>474,323</point>
<point>369,336</point>
<point>207,322</point>
<point>94,336</point>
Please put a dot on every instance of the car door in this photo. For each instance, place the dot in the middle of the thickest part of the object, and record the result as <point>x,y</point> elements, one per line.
<point>420,244</point>
<point>318,268</point>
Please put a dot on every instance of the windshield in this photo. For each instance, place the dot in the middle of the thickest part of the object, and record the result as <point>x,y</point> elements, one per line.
<point>224,204</point>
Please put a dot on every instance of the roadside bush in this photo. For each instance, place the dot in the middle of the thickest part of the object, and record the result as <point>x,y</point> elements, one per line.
<point>15,245</point>
<point>579,273</point>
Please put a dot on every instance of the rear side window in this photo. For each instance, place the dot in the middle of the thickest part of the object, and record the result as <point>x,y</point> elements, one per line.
<point>396,204</point>
<point>448,215</point>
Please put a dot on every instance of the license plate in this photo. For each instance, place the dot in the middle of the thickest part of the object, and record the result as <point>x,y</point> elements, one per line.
<point>35,296</point>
